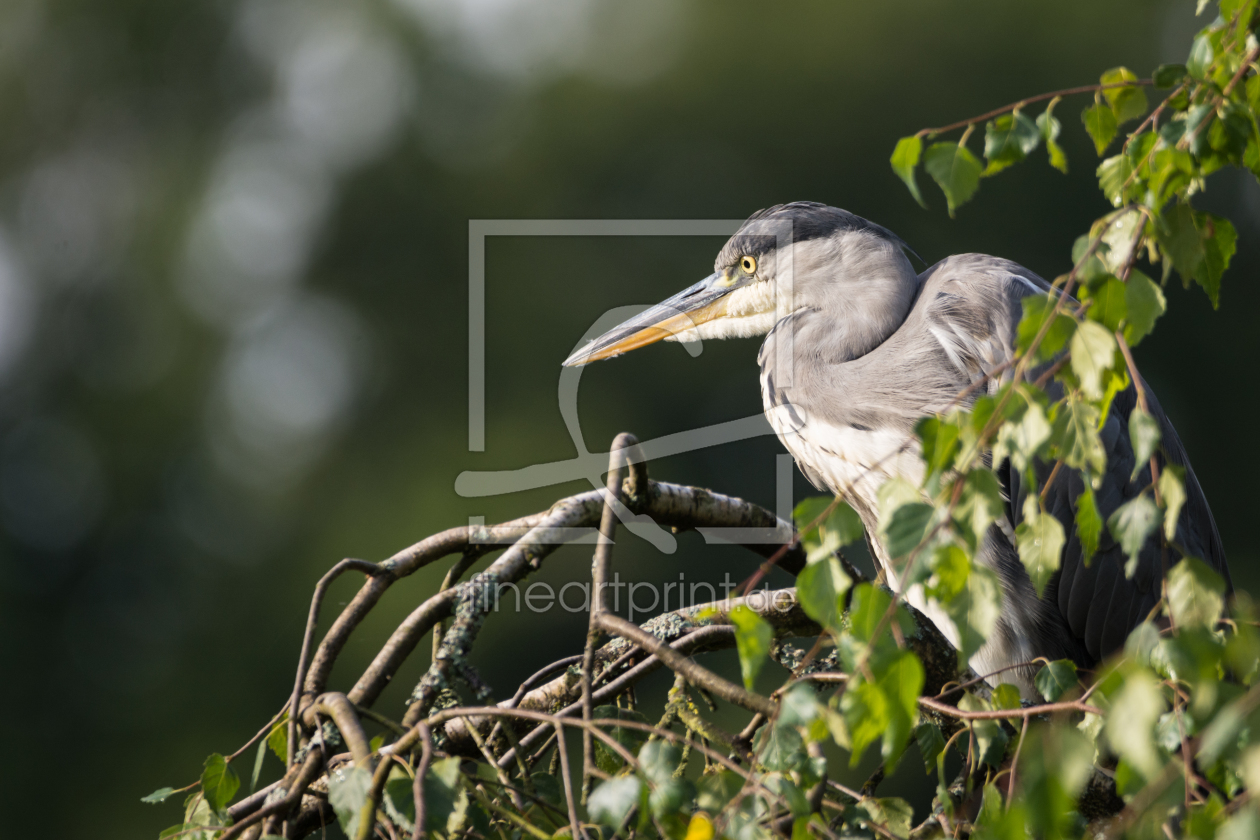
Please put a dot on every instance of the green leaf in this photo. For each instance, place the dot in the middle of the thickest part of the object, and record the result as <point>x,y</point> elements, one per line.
<point>348,788</point>
<point>446,801</point>
<point>893,814</point>
<point>799,706</point>
<point>658,760</point>
<point>1093,352</point>
<point>1021,440</point>
<point>1092,267</point>
<point>1055,763</point>
<point>1088,523</point>
<point>1055,678</point>
<point>1201,55</point>
<point>1037,310</point>
<point>159,795</point>
<point>820,588</point>
<point>997,822</point>
<point>975,611</point>
<point>717,789</point>
<point>905,158</point>
<point>610,804</point>
<point>1040,541</point>
<point>1196,594</point>
<point>1168,75</point>
<point>1074,433</point>
<point>278,739</point>
<point>1142,640</point>
<point>867,609</point>
<point>780,749</point>
<point>1130,731</point>
<point>931,742</point>
<point>1219,243</point>
<point>259,755</point>
<point>878,711</point>
<point>1006,696</point>
<point>1119,237</point>
<point>955,170</point>
<point>905,528</point>
<point>784,787</point>
<point>1115,177</point>
<point>1131,524</point>
<point>219,782</point>
<point>990,738</point>
<point>900,677</point>
<point>1144,435</point>
<point>1107,304</point>
<point>979,504</point>
<point>1171,170</point>
<point>842,526</point>
<point>1144,303</point>
<point>1008,139</point>
<point>969,594</point>
<point>1172,490</point>
<point>752,640</point>
<point>1049,127</point>
<point>606,758</point>
<point>1100,123</point>
<point>1129,103</point>
<point>1200,245</point>
<point>671,796</point>
<point>939,440</point>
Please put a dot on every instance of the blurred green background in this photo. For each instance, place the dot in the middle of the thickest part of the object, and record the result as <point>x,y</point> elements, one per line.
<point>233,310</point>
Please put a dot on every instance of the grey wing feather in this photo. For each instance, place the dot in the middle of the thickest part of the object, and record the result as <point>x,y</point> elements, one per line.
<point>972,306</point>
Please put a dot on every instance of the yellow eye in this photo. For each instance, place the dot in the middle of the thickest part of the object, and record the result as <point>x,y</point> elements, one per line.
<point>749,265</point>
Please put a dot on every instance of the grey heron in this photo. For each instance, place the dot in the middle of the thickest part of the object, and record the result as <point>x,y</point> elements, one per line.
<point>871,347</point>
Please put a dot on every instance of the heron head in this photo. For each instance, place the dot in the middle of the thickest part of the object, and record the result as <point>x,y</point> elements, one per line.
<point>788,258</point>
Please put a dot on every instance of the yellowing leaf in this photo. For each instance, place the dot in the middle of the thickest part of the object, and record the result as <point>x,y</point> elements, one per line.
<point>700,828</point>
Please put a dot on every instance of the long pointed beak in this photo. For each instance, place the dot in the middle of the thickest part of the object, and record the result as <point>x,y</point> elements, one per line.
<point>705,301</point>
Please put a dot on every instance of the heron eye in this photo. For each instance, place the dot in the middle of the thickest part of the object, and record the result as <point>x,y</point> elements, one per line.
<point>749,265</point>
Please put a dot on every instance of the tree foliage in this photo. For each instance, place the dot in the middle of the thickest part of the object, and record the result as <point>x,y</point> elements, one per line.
<point>1156,742</point>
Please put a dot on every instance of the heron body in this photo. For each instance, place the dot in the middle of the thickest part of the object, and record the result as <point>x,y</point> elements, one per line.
<point>858,347</point>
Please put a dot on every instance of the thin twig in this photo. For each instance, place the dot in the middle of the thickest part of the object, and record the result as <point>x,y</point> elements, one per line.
<point>1005,714</point>
<point>566,781</point>
<point>417,786</point>
<point>1010,787</point>
<point>308,638</point>
<point>600,564</point>
<point>695,673</point>
<point>997,112</point>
